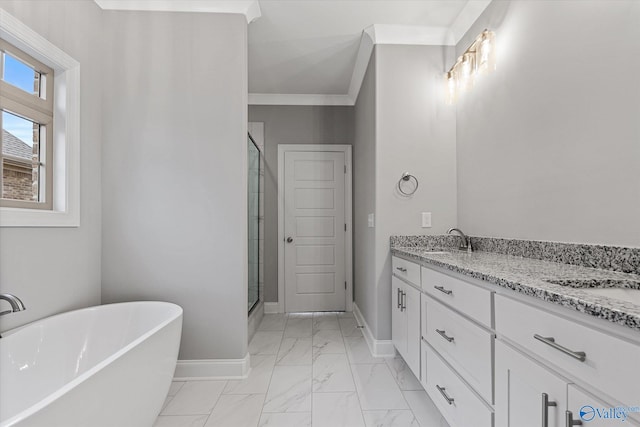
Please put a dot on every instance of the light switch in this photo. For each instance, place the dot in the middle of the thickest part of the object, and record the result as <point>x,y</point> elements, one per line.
<point>370,220</point>
<point>426,219</point>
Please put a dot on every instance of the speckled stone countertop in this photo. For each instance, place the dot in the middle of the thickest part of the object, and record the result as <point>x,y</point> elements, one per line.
<point>532,277</point>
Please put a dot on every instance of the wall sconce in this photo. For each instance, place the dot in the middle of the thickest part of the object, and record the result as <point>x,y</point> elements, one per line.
<point>479,58</point>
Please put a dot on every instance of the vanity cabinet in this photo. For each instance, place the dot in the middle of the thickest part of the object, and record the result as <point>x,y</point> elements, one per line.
<point>458,403</point>
<point>405,313</point>
<point>488,356</point>
<point>542,352</point>
<point>457,348</point>
<point>466,346</point>
<point>528,394</point>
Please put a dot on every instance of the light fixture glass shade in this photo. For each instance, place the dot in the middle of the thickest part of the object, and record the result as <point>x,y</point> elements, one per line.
<point>486,52</point>
<point>479,58</point>
<point>451,88</point>
<point>465,70</point>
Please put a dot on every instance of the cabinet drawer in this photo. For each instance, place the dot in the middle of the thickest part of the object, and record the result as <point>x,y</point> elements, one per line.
<point>466,346</point>
<point>469,299</point>
<point>610,364</point>
<point>407,270</point>
<point>455,400</point>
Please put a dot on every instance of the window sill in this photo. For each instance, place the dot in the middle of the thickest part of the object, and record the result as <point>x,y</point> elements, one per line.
<point>16,217</point>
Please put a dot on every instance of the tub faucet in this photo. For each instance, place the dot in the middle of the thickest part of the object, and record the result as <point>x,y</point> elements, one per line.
<point>16,303</point>
<point>466,241</point>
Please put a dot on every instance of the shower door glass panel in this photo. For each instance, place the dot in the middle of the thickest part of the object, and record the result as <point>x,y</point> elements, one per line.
<point>254,224</point>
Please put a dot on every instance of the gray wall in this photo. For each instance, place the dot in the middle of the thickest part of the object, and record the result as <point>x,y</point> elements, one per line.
<point>549,144</point>
<point>58,269</point>
<point>364,197</point>
<point>292,125</point>
<point>175,172</point>
<point>415,133</point>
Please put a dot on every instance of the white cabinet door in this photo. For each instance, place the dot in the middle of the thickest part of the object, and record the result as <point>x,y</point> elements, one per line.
<point>522,386</point>
<point>596,413</point>
<point>398,317</point>
<point>412,311</point>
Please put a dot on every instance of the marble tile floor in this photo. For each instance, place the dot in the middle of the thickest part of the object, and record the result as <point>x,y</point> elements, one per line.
<point>307,370</point>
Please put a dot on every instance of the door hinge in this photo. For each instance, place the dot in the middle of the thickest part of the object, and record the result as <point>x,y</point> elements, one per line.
<point>345,227</point>
<point>345,168</point>
<point>345,285</point>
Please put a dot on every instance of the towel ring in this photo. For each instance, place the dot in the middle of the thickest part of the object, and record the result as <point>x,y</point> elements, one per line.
<point>405,178</point>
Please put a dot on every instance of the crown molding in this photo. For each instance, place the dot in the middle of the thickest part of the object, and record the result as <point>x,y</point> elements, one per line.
<point>409,34</point>
<point>298,99</point>
<point>248,8</point>
<point>469,14</point>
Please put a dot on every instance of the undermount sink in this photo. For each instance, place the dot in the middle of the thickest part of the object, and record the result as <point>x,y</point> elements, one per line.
<point>621,290</point>
<point>621,294</point>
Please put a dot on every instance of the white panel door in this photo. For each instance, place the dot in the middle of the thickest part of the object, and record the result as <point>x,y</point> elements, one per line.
<point>314,231</point>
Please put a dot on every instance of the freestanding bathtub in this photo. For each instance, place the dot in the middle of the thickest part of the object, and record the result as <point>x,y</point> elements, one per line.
<point>109,365</point>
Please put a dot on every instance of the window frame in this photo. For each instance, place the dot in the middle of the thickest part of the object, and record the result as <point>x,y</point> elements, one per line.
<point>65,131</point>
<point>39,110</point>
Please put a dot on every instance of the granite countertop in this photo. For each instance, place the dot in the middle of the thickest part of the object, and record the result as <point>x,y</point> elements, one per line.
<point>531,277</point>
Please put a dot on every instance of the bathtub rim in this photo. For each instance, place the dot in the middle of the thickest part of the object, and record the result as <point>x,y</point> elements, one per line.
<point>42,403</point>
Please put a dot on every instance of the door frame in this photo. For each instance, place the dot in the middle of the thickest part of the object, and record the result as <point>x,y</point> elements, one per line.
<point>348,215</point>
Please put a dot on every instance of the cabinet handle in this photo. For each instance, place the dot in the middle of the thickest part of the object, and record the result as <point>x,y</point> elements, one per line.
<point>444,335</point>
<point>404,301</point>
<point>550,341</point>
<point>401,269</point>
<point>545,409</point>
<point>398,298</point>
<point>443,290</point>
<point>442,391</point>
<point>569,419</point>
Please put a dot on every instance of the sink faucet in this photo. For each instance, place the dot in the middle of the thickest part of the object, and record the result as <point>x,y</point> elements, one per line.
<point>16,303</point>
<point>466,242</point>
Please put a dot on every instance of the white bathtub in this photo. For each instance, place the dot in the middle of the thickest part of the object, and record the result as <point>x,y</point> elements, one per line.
<point>109,365</point>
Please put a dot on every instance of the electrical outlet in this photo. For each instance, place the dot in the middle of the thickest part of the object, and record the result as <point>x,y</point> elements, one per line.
<point>426,219</point>
<point>370,220</point>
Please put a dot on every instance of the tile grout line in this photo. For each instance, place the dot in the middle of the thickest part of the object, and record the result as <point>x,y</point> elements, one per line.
<point>364,422</point>
<point>272,370</point>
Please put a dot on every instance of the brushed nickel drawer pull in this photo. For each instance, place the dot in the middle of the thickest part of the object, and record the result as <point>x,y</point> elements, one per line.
<point>550,341</point>
<point>442,391</point>
<point>569,420</point>
<point>402,269</point>
<point>398,298</point>
<point>444,335</point>
<point>545,409</point>
<point>443,290</point>
<point>404,301</point>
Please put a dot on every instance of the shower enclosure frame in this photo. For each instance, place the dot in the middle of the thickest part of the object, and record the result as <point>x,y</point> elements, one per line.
<point>251,245</point>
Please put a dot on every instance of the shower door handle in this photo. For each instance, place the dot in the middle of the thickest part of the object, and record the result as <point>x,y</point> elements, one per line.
<point>289,239</point>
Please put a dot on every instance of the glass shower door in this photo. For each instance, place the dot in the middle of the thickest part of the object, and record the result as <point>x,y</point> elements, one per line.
<point>254,224</point>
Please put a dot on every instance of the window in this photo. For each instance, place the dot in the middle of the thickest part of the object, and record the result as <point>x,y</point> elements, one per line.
<point>26,104</point>
<point>40,138</point>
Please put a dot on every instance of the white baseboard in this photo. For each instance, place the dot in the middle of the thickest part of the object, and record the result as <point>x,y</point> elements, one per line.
<point>212,369</point>
<point>271,308</point>
<point>378,348</point>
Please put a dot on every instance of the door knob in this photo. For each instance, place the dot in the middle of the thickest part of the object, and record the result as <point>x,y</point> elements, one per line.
<point>289,239</point>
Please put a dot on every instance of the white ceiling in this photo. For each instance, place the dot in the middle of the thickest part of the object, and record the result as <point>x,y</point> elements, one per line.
<point>310,46</point>
<point>315,52</point>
